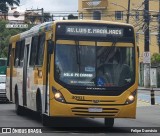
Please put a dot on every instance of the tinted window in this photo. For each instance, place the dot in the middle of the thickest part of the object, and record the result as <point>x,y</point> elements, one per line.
<point>40,50</point>
<point>102,66</point>
<point>33,50</point>
<point>2,62</point>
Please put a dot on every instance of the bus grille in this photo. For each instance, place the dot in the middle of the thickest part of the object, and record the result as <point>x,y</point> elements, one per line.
<point>106,112</point>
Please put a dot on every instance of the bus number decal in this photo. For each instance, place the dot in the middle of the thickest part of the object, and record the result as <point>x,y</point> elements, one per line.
<point>78,98</point>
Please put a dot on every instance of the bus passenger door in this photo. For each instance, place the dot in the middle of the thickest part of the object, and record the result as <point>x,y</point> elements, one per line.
<point>50,45</point>
<point>25,65</point>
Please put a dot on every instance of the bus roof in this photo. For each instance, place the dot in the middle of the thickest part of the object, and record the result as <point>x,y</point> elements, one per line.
<point>47,26</point>
<point>94,21</point>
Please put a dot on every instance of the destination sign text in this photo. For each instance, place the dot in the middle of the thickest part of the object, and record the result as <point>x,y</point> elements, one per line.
<point>93,31</point>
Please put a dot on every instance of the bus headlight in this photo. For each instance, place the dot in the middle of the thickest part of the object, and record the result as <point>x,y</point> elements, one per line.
<point>131,98</point>
<point>58,95</point>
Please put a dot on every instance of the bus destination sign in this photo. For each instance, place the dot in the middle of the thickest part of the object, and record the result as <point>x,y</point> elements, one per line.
<point>93,31</point>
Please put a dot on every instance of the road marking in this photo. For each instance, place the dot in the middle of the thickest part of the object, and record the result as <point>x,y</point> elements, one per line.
<point>147,98</point>
<point>141,103</point>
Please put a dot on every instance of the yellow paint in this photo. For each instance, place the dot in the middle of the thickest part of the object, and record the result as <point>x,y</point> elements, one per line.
<point>117,44</point>
<point>15,38</point>
<point>125,111</point>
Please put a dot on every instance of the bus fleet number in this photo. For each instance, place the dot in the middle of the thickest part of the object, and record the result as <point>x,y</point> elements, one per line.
<point>78,97</point>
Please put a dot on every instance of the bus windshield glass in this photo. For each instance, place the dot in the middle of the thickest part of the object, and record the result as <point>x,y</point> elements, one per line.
<point>3,65</point>
<point>3,62</point>
<point>94,66</point>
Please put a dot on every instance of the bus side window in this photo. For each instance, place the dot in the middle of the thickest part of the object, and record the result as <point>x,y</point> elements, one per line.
<point>21,53</point>
<point>40,50</point>
<point>9,54</point>
<point>33,50</point>
<point>17,54</point>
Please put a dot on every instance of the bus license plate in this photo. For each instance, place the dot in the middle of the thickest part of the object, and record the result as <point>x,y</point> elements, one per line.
<point>94,109</point>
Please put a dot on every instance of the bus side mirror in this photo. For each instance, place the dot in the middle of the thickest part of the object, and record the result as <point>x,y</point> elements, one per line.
<point>50,46</point>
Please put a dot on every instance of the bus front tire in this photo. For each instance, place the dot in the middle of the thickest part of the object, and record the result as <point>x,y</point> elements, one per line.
<point>44,118</point>
<point>109,122</point>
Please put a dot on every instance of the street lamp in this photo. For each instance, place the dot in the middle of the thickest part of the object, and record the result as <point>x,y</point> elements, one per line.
<point>128,10</point>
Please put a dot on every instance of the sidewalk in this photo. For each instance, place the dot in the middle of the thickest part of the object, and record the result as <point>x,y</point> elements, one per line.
<point>144,95</point>
<point>141,103</point>
<point>148,89</point>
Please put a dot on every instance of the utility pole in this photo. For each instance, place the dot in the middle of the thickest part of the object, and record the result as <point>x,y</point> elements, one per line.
<point>128,14</point>
<point>146,56</point>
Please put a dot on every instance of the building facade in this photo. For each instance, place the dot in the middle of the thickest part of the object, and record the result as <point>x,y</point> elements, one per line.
<point>133,13</point>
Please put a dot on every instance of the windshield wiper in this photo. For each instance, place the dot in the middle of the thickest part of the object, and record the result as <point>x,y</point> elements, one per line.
<point>77,52</point>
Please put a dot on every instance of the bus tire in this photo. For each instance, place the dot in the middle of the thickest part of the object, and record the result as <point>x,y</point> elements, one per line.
<point>109,122</point>
<point>18,108</point>
<point>44,118</point>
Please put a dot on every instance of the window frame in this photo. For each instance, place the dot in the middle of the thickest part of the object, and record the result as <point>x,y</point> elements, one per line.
<point>21,57</point>
<point>118,15</point>
<point>41,45</point>
<point>17,54</point>
<point>97,15</point>
<point>34,43</point>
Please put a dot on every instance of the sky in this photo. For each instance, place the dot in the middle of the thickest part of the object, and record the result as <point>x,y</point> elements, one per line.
<point>50,5</point>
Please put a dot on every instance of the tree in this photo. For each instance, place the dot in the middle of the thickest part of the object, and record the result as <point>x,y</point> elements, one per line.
<point>71,16</point>
<point>33,17</point>
<point>47,17</point>
<point>155,59</point>
<point>5,3</point>
<point>5,34</point>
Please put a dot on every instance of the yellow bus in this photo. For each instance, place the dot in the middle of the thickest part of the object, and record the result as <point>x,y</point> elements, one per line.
<point>74,69</point>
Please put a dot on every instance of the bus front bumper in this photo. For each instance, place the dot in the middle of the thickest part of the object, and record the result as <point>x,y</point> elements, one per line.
<point>58,109</point>
<point>3,96</point>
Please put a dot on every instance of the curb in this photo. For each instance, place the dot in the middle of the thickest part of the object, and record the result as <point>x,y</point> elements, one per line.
<point>149,89</point>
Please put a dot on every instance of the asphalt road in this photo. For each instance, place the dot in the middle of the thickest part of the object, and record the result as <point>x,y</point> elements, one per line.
<point>147,116</point>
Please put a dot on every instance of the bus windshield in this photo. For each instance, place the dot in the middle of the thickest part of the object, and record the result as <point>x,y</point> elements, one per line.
<point>3,62</point>
<point>94,66</point>
<point>3,65</point>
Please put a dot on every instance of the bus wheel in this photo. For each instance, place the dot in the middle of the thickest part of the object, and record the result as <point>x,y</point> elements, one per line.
<point>43,117</point>
<point>109,122</point>
<point>18,108</point>
<point>45,120</point>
